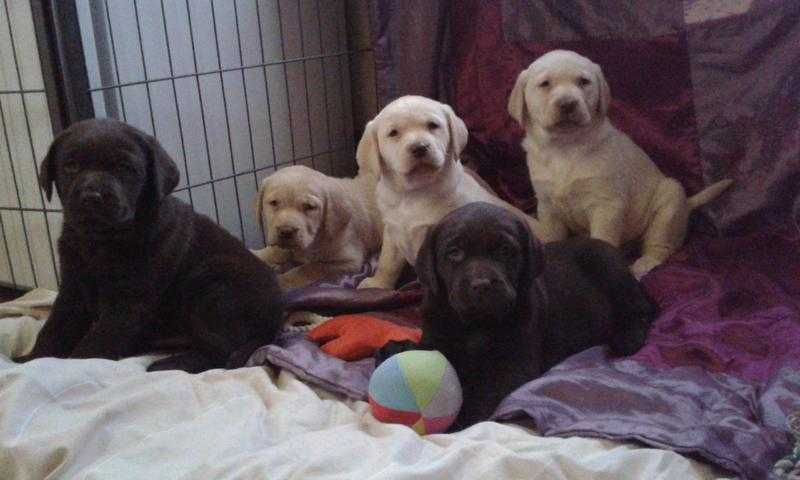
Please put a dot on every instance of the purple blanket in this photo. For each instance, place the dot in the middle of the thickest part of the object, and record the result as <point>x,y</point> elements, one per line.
<point>717,378</point>
<point>709,90</point>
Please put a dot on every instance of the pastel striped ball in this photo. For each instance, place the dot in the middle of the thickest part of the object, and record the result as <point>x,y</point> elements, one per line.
<point>417,388</point>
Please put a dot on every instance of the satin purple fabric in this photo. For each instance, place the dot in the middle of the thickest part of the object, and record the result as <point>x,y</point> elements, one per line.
<point>708,95</point>
<point>687,409</point>
<point>716,379</point>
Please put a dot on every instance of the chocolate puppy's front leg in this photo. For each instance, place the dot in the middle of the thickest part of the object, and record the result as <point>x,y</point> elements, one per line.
<point>118,332</point>
<point>68,323</point>
<point>393,347</point>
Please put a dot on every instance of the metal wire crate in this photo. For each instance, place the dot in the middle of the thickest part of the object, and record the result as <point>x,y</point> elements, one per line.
<point>233,90</point>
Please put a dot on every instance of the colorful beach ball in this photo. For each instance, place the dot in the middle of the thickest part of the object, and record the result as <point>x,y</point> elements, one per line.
<point>417,388</point>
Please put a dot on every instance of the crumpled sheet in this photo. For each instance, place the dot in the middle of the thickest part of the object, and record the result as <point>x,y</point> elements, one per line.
<point>101,419</point>
<point>717,377</point>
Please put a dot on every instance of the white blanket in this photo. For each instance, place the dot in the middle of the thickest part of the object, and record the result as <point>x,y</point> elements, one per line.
<point>106,419</point>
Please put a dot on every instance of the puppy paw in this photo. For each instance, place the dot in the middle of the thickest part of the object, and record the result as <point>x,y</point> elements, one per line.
<point>643,265</point>
<point>260,254</point>
<point>627,343</point>
<point>22,358</point>
<point>273,256</point>
<point>374,282</point>
<point>289,281</point>
<point>190,362</point>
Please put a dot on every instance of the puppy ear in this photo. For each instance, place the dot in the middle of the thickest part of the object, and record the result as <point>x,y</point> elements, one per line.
<point>368,154</point>
<point>47,171</point>
<point>604,99</point>
<point>532,255</point>
<point>336,214</point>
<point>162,173</point>
<point>426,264</point>
<point>516,101</point>
<point>258,201</point>
<point>458,131</point>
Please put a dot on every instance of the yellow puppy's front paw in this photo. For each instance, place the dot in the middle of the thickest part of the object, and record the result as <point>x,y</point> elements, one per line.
<point>273,256</point>
<point>643,265</point>
<point>374,282</point>
<point>290,280</point>
<point>261,254</point>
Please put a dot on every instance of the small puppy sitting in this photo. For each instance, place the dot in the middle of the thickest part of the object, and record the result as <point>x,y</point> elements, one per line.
<point>503,310</point>
<point>329,225</point>
<point>139,268</point>
<point>413,146</point>
<point>589,177</point>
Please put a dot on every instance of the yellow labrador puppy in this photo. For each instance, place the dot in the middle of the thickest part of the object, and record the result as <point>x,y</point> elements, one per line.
<point>589,177</point>
<point>328,225</point>
<point>413,146</point>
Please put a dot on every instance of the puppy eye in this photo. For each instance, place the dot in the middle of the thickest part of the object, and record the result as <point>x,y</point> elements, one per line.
<point>505,251</point>
<point>308,207</point>
<point>583,81</point>
<point>455,254</point>
<point>393,132</point>
<point>433,125</point>
<point>127,168</point>
<point>544,84</point>
<point>273,203</point>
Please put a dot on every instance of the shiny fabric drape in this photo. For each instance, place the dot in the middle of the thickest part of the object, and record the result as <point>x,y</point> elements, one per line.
<point>709,90</point>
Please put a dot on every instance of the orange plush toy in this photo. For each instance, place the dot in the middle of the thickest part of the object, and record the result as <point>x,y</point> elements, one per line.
<point>353,337</point>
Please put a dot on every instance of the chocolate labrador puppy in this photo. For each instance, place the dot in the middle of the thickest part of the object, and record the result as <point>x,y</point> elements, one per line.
<point>504,310</point>
<point>141,269</point>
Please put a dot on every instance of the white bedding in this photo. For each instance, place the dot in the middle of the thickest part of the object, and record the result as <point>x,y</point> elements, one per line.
<point>105,419</point>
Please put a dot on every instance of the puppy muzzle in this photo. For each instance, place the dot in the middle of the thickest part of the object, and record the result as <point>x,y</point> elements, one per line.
<point>419,149</point>
<point>483,298</point>
<point>289,237</point>
<point>98,202</point>
<point>422,167</point>
<point>567,112</point>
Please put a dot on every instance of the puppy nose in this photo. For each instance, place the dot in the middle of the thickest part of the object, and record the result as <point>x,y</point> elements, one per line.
<point>91,196</point>
<point>480,285</point>
<point>567,105</point>
<point>419,150</point>
<point>286,232</point>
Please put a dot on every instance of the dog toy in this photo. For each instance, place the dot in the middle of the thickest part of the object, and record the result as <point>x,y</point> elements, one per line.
<point>353,337</point>
<point>417,388</point>
<point>303,321</point>
<point>789,466</point>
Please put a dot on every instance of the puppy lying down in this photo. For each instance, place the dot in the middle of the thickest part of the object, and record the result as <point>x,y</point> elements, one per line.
<point>329,225</point>
<point>413,146</point>
<point>589,177</point>
<point>139,268</point>
<point>503,310</point>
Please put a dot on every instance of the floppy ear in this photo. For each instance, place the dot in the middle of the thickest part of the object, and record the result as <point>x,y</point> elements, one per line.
<point>516,101</point>
<point>368,154</point>
<point>47,171</point>
<point>458,131</point>
<point>258,201</point>
<point>533,254</point>
<point>426,264</point>
<point>336,214</point>
<point>604,99</point>
<point>162,173</point>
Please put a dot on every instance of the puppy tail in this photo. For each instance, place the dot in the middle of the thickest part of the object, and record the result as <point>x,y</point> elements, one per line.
<point>709,193</point>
